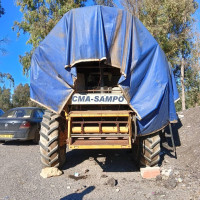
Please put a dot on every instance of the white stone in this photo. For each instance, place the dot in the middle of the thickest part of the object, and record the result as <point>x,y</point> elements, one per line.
<point>76,174</point>
<point>180,180</point>
<point>50,172</point>
<point>176,173</point>
<point>166,172</point>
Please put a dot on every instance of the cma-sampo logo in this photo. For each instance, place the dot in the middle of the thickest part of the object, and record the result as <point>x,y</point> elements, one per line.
<point>97,99</point>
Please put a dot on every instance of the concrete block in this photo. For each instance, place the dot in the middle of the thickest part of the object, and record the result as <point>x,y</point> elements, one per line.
<point>150,172</point>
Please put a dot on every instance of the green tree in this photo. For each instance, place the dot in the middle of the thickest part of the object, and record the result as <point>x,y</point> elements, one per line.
<point>192,74</point>
<point>168,21</point>
<point>6,76</point>
<point>192,88</point>
<point>21,96</point>
<point>39,17</point>
<point>5,103</point>
<point>171,23</point>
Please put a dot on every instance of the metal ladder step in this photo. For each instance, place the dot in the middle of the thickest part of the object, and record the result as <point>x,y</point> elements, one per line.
<point>169,135</point>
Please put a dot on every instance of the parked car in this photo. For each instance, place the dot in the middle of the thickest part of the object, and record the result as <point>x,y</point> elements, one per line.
<point>21,124</point>
<point>1,112</point>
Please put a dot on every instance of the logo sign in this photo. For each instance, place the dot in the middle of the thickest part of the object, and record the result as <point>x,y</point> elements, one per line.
<point>101,98</point>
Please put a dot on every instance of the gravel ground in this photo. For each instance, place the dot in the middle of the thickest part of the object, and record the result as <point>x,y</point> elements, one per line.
<point>105,174</point>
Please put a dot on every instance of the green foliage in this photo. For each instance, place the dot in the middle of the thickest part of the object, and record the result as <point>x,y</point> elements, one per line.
<point>178,105</point>
<point>39,17</point>
<point>6,76</point>
<point>21,96</point>
<point>168,21</point>
<point>5,96</point>
<point>192,87</point>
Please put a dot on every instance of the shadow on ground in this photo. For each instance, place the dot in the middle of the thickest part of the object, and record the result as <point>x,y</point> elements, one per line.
<point>80,195</point>
<point>118,160</point>
<point>110,160</point>
<point>177,142</point>
<point>19,143</point>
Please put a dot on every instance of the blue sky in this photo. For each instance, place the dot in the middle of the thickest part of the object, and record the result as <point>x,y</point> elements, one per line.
<point>17,46</point>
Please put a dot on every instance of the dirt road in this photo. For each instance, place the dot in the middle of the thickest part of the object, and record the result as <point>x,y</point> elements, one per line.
<point>105,174</point>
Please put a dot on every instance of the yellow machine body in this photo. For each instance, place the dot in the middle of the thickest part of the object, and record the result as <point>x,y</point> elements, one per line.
<point>100,129</point>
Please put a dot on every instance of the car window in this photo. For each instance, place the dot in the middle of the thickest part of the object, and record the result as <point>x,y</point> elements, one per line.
<point>21,113</point>
<point>38,114</point>
<point>9,113</point>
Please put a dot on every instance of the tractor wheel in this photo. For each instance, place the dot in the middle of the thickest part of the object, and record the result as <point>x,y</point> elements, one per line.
<point>150,150</point>
<point>52,140</point>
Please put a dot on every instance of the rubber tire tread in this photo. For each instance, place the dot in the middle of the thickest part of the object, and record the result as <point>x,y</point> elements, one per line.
<point>51,155</point>
<point>150,150</point>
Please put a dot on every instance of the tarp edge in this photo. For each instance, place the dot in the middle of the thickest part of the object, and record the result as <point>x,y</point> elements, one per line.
<point>66,100</point>
<point>154,131</point>
<point>130,104</point>
<point>85,60</point>
<point>43,105</point>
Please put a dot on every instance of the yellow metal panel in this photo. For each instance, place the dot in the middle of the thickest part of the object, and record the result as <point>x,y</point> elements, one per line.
<point>99,115</point>
<point>69,129</point>
<point>100,146</point>
<point>105,129</point>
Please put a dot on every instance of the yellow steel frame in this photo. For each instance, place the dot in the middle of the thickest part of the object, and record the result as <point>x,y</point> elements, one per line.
<point>100,146</point>
<point>110,114</point>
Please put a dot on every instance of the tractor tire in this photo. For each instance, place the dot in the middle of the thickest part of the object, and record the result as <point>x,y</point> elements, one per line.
<point>150,150</point>
<point>52,148</point>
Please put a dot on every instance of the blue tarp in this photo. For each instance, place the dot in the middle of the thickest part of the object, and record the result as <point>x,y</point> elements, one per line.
<point>114,35</point>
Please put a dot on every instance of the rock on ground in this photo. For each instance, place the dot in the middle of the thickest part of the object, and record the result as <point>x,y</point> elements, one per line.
<point>50,172</point>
